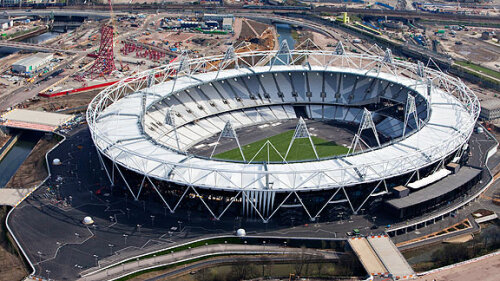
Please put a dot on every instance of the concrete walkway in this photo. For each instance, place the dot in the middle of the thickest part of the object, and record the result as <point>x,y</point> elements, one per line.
<point>12,196</point>
<point>115,272</point>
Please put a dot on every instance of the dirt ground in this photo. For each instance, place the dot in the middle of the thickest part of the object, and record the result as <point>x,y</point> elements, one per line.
<point>61,103</point>
<point>474,52</point>
<point>12,266</point>
<point>33,169</point>
<point>484,270</point>
<point>3,139</point>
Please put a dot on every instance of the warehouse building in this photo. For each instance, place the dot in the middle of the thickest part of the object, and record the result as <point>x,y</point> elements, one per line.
<point>490,109</point>
<point>6,24</point>
<point>32,63</point>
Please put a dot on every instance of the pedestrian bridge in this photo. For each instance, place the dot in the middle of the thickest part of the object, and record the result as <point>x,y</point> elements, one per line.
<point>380,257</point>
<point>34,120</point>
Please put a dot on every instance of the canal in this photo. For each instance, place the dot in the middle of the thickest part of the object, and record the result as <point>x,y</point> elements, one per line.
<point>17,154</point>
<point>37,39</point>
<point>284,34</point>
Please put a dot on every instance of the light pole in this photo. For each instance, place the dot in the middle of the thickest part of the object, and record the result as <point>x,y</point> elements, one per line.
<point>39,255</point>
<point>111,248</point>
<point>180,225</point>
<point>152,220</point>
<point>48,274</point>
<point>125,237</point>
<point>139,228</point>
<point>96,263</point>
<point>154,258</point>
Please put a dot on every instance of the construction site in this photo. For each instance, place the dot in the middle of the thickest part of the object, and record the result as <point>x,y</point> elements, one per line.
<point>53,63</point>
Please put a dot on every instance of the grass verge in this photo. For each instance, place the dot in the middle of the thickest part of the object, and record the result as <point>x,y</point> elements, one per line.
<point>487,71</point>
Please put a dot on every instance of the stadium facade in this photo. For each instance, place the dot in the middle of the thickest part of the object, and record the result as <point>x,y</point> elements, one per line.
<point>144,126</point>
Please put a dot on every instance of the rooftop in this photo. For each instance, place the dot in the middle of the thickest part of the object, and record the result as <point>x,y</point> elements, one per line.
<point>437,189</point>
<point>33,59</point>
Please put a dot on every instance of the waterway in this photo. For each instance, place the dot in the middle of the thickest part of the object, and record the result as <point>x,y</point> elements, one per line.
<point>17,154</point>
<point>37,39</point>
<point>41,37</point>
<point>285,34</point>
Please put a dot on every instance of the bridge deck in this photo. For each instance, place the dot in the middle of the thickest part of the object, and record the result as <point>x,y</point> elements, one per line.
<point>390,256</point>
<point>372,264</point>
<point>34,120</point>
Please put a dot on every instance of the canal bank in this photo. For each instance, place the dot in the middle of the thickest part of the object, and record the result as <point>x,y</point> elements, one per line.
<point>7,146</point>
<point>14,152</point>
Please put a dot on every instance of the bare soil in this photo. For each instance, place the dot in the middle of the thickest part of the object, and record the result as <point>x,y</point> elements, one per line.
<point>62,102</point>
<point>12,266</point>
<point>485,270</point>
<point>3,139</point>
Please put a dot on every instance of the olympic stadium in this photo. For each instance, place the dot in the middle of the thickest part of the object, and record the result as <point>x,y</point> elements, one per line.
<point>202,133</point>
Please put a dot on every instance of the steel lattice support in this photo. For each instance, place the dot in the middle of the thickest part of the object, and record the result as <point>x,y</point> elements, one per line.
<point>259,187</point>
<point>366,123</point>
<point>410,110</point>
<point>301,132</point>
<point>105,61</point>
<point>230,133</point>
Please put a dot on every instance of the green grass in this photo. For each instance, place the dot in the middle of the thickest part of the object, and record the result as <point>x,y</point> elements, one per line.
<point>479,68</point>
<point>301,149</point>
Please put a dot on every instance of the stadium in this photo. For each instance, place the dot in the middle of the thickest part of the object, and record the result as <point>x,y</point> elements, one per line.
<point>280,134</point>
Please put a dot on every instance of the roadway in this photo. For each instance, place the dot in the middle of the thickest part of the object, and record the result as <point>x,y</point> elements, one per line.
<point>34,47</point>
<point>120,270</point>
<point>101,11</point>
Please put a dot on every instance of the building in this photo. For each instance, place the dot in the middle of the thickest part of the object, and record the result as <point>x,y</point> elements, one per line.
<point>227,23</point>
<point>486,35</point>
<point>32,63</point>
<point>230,97</point>
<point>217,17</point>
<point>490,109</point>
<point>17,2</point>
<point>6,23</point>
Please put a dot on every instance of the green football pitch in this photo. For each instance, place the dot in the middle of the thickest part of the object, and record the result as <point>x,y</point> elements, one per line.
<point>301,149</point>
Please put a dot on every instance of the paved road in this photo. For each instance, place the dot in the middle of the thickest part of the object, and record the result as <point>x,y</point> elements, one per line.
<point>127,268</point>
<point>100,11</point>
<point>47,221</point>
<point>34,47</point>
<point>214,262</point>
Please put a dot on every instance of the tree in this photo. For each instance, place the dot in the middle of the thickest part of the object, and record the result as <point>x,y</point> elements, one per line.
<point>301,260</point>
<point>319,266</point>
<point>266,262</point>
<point>242,269</point>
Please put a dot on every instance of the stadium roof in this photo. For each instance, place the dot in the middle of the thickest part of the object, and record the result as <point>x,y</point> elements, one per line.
<point>123,133</point>
<point>115,122</point>
<point>436,190</point>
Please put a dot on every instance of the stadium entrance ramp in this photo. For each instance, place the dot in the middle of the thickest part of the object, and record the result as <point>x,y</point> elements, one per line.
<point>390,256</point>
<point>367,256</point>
